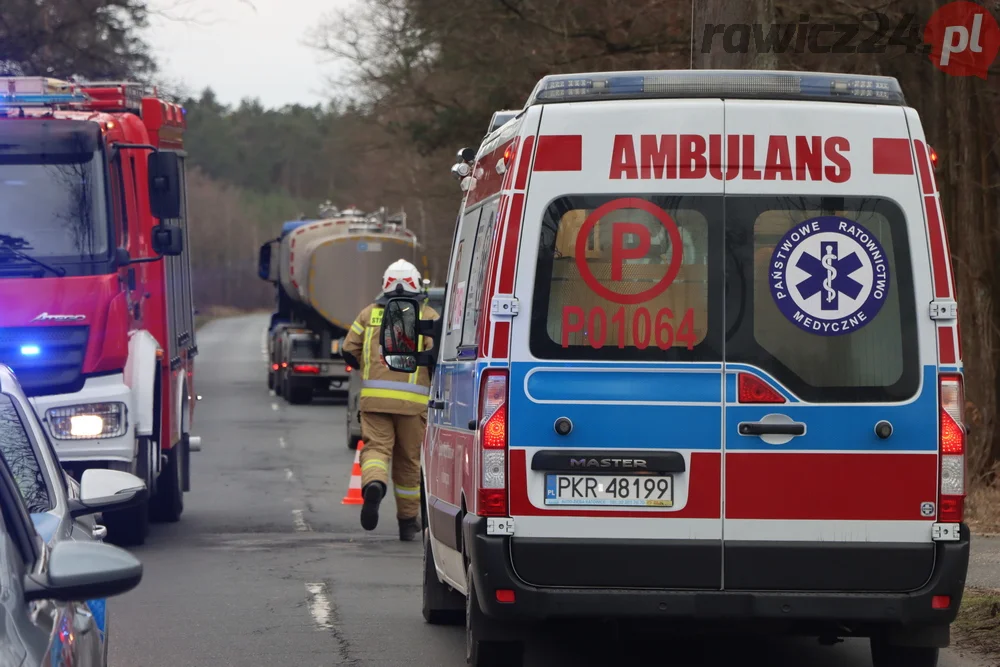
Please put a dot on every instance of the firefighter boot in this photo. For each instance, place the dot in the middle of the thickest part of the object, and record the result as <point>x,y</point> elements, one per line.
<point>408,529</point>
<point>373,494</point>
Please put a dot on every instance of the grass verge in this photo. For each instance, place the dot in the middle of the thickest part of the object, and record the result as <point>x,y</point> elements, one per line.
<point>978,622</point>
<point>982,509</point>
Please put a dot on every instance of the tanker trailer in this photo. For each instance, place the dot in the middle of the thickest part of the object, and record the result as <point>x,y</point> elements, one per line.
<point>325,273</point>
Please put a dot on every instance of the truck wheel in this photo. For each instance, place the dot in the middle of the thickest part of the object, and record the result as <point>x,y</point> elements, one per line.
<point>270,380</point>
<point>167,504</point>
<point>298,395</point>
<point>352,441</point>
<point>441,605</point>
<point>279,385</point>
<point>487,642</point>
<point>889,655</point>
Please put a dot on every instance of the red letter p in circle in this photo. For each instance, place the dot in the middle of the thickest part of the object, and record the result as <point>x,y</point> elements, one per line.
<point>619,253</point>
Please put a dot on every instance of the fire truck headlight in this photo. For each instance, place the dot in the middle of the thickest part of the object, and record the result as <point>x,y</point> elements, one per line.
<point>83,422</point>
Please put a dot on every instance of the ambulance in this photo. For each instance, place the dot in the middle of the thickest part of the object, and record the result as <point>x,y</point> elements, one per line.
<point>699,366</point>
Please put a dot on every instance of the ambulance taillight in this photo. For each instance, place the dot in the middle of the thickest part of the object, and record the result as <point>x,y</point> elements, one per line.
<point>493,444</point>
<point>952,439</point>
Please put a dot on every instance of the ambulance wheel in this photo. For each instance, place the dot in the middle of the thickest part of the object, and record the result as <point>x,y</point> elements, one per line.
<point>167,504</point>
<point>487,643</point>
<point>889,655</point>
<point>441,604</point>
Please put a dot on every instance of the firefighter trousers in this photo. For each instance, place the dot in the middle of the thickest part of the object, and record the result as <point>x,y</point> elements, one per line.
<point>394,440</point>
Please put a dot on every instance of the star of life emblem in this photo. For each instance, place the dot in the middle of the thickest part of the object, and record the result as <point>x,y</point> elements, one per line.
<point>829,276</point>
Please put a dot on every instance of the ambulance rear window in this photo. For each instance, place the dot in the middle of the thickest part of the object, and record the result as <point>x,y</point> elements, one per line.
<point>821,296</point>
<point>629,277</point>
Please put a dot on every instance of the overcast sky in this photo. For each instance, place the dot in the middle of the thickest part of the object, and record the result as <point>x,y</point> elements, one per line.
<point>244,48</point>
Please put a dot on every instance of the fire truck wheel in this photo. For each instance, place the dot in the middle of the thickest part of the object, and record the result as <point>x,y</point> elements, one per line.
<point>128,528</point>
<point>168,502</point>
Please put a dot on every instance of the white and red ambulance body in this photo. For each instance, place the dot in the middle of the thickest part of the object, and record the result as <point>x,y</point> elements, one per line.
<point>709,322</point>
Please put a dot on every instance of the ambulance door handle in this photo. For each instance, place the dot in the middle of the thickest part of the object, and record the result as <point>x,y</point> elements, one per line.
<point>772,428</point>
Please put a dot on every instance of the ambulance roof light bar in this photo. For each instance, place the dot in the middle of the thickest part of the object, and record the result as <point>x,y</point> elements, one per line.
<point>747,84</point>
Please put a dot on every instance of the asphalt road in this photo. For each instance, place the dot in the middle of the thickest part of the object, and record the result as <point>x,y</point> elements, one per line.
<point>267,567</point>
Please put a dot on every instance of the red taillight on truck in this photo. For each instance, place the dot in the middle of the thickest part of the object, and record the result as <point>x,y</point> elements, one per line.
<point>306,368</point>
<point>951,443</point>
<point>493,444</point>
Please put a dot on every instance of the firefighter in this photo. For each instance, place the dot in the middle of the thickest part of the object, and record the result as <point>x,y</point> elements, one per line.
<point>393,407</point>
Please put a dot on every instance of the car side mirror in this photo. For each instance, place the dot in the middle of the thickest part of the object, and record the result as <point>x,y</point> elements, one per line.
<point>103,490</point>
<point>164,169</point>
<point>401,327</point>
<point>79,571</point>
<point>168,240</point>
<point>264,262</point>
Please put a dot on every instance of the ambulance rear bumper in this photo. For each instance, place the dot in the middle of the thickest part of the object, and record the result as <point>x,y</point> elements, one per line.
<point>492,570</point>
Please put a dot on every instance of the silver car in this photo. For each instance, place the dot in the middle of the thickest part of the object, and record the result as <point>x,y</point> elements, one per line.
<point>44,623</point>
<point>60,508</point>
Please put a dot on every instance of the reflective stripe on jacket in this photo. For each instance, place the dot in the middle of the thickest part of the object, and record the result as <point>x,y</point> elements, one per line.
<point>382,389</point>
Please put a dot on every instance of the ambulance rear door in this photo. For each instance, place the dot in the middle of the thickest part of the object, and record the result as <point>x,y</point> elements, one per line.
<point>616,380</point>
<point>831,418</point>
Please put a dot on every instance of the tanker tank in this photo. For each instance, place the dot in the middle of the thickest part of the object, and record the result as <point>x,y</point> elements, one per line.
<point>334,265</point>
<point>325,271</point>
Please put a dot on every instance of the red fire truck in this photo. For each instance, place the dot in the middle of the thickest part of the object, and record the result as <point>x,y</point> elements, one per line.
<point>95,280</point>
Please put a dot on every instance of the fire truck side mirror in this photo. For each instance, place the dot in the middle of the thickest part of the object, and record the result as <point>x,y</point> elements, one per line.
<point>168,240</point>
<point>164,185</point>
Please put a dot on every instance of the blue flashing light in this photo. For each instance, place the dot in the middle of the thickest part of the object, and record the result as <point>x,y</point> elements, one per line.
<point>38,100</point>
<point>30,350</point>
<point>747,84</point>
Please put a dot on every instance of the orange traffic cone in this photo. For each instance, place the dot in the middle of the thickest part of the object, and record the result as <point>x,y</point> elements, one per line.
<point>353,496</point>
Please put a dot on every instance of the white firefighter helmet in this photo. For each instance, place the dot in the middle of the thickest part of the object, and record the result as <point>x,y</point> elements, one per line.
<point>401,275</point>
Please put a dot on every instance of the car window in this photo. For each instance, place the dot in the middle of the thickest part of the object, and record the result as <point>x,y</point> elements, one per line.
<point>459,285</point>
<point>15,520</point>
<point>17,450</point>
<point>629,278</point>
<point>823,296</point>
<point>477,273</point>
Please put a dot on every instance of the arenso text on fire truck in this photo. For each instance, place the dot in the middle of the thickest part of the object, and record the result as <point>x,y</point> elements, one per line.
<point>95,280</point>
